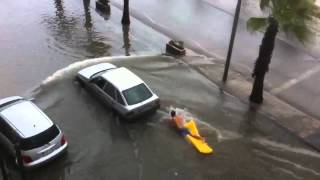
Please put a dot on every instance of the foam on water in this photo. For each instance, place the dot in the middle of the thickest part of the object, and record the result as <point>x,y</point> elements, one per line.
<point>73,68</point>
<point>222,135</point>
<point>283,170</point>
<point>288,162</point>
<point>284,147</point>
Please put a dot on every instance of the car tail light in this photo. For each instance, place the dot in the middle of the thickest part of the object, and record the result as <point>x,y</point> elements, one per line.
<point>26,159</point>
<point>63,140</point>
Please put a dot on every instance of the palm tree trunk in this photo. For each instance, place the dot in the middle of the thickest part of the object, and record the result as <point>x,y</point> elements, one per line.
<point>257,89</point>
<point>88,21</point>
<point>262,64</point>
<point>126,39</point>
<point>126,15</point>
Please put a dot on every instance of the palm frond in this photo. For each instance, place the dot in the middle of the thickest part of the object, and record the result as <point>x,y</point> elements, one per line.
<point>256,24</point>
<point>302,33</point>
<point>292,16</point>
<point>264,4</point>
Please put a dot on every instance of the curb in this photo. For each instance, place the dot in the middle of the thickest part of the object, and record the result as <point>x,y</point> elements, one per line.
<point>305,127</point>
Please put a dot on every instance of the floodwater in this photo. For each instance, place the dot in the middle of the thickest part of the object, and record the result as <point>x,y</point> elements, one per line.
<point>205,28</point>
<point>247,145</point>
<point>38,38</point>
<point>42,47</point>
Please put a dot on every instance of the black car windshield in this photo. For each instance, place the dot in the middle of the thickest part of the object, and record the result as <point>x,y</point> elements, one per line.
<point>137,94</point>
<point>39,139</point>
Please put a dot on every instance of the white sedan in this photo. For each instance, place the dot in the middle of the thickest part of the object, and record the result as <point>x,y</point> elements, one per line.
<point>22,122</point>
<point>120,89</point>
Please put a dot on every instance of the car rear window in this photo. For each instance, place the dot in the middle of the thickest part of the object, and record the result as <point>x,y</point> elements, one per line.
<point>137,94</point>
<point>39,139</point>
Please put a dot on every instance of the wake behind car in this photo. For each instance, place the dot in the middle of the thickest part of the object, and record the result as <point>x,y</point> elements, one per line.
<point>120,89</point>
<point>23,123</point>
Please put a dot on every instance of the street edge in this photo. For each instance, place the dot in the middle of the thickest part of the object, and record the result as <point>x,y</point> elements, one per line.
<point>238,85</point>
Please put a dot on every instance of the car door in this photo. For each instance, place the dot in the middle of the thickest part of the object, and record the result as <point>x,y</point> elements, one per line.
<point>120,104</point>
<point>110,93</point>
<point>97,86</point>
<point>7,138</point>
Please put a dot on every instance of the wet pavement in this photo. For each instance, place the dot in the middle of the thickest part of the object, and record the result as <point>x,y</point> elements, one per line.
<point>247,145</point>
<point>48,35</point>
<point>205,27</point>
<point>42,37</point>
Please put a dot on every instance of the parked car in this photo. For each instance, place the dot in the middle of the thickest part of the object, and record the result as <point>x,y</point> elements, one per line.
<point>23,123</point>
<point>120,89</point>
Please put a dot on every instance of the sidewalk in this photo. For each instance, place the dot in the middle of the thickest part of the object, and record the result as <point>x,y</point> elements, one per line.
<point>295,121</point>
<point>288,62</point>
<point>251,8</point>
<point>294,73</point>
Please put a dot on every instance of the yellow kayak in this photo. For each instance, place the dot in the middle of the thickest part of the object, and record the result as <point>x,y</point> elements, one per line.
<point>199,144</point>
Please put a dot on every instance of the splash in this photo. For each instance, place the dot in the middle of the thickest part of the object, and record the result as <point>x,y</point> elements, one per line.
<point>70,71</point>
<point>222,135</point>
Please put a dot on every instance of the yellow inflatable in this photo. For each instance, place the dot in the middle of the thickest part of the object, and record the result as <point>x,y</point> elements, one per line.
<point>198,143</point>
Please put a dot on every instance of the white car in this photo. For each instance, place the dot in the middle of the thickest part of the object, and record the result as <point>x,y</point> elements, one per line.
<point>22,122</point>
<point>119,88</point>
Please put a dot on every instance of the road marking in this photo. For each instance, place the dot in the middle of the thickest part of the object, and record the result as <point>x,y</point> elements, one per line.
<point>295,81</point>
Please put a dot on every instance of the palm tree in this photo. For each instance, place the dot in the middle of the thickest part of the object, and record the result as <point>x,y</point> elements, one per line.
<point>289,16</point>
<point>126,39</point>
<point>125,17</point>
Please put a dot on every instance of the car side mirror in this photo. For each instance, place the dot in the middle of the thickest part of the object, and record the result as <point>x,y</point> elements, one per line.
<point>92,80</point>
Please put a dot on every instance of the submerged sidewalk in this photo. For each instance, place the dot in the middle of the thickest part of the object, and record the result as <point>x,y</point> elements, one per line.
<point>307,128</point>
<point>205,29</point>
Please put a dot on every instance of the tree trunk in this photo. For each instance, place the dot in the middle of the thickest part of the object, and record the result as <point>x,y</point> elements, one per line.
<point>262,64</point>
<point>126,15</point>
<point>257,89</point>
<point>88,21</point>
<point>126,39</point>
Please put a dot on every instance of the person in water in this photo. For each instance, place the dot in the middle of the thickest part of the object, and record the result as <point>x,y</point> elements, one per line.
<point>178,122</point>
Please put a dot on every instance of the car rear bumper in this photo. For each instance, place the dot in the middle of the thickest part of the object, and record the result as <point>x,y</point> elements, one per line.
<point>48,157</point>
<point>137,113</point>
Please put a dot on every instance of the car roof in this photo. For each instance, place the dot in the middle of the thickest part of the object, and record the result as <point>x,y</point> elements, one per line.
<point>122,78</point>
<point>9,100</point>
<point>26,118</point>
<point>91,70</point>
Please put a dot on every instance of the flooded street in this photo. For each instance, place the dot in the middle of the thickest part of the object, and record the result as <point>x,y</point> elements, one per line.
<point>205,28</point>
<point>246,145</point>
<point>38,38</point>
<point>43,45</point>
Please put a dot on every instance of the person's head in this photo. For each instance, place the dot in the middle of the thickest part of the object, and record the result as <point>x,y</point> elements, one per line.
<point>173,113</point>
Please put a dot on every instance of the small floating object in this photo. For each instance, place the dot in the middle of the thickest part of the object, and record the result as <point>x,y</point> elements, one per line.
<point>199,144</point>
<point>175,48</point>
